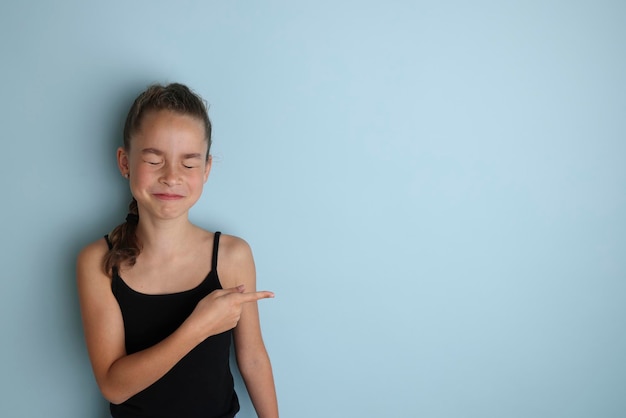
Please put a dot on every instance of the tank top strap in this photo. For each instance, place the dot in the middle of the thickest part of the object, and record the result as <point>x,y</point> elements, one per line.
<point>114,273</point>
<point>106,237</point>
<point>216,245</point>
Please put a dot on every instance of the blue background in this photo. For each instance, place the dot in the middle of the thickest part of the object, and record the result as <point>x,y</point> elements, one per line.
<point>436,192</point>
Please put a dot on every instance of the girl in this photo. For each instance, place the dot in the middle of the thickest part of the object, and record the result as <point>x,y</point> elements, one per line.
<point>160,297</point>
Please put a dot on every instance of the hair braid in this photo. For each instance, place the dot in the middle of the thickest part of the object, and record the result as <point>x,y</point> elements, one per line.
<point>125,246</point>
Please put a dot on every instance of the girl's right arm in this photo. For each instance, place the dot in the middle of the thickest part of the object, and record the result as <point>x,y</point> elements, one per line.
<point>119,375</point>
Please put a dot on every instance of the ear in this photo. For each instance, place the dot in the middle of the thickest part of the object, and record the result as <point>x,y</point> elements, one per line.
<point>207,168</point>
<point>122,161</point>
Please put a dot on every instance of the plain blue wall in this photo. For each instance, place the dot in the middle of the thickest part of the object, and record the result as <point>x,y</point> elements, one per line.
<point>436,192</point>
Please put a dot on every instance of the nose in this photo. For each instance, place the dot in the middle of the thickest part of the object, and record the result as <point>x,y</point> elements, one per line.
<point>170,175</point>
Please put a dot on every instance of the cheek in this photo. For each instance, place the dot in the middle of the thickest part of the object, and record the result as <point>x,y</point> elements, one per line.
<point>140,177</point>
<point>197,181</point>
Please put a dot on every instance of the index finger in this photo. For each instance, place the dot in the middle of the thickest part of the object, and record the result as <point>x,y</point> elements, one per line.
<point>254,296</point>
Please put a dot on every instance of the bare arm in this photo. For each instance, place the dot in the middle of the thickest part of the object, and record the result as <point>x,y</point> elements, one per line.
<point>254,364</point>
<point>119,375</point>
<point>252,358</point>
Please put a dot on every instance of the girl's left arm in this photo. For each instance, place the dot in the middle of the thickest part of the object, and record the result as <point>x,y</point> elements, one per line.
<point>252,358</point>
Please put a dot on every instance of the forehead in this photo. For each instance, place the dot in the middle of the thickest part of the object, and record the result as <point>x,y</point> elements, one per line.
<point>167,130</point>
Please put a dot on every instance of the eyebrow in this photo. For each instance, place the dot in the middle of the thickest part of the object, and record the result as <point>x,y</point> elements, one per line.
<point>151,151</point>
<point>192,155</point>
<point>160,153</point>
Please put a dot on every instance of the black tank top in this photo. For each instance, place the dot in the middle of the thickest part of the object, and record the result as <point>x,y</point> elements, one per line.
<point>200,384</point>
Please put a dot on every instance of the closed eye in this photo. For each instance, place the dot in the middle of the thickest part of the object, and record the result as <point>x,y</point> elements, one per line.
<point>190,162</point>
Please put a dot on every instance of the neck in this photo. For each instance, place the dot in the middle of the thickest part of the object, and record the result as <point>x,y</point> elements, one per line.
<point>164,236</point>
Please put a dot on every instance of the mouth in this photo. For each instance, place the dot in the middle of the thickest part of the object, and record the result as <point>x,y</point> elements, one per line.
<point>167,196</point>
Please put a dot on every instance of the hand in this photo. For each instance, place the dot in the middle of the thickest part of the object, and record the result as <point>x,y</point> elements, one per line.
<point>220,310</point>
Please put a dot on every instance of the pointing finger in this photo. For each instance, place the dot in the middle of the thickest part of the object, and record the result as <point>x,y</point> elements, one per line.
<point>254,296</point>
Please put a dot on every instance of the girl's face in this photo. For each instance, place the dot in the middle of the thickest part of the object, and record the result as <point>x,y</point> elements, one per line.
<point>166,164</point>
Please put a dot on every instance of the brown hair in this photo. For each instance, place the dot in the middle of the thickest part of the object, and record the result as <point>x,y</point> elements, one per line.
<point>124,246</point>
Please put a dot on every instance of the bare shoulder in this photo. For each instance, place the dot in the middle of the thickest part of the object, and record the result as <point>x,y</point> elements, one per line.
<point>91,256</point>
<point>91,278</point>
<point>233,248</point>
<point>235,262</point>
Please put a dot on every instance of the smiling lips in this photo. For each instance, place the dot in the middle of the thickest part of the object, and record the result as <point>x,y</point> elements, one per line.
<point>167,196</point>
